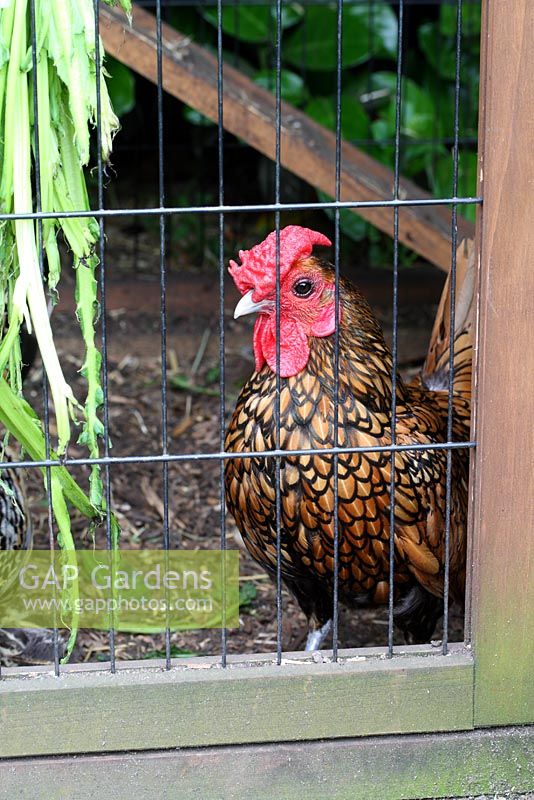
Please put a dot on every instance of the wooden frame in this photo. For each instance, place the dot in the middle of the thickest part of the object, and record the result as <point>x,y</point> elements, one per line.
<point>503,487</point>
<point>387,768</point>
<point>201,704</point>
<point>233,713</point>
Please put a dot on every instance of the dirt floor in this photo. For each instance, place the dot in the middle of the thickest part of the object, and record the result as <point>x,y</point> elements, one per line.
<point>134,369</point>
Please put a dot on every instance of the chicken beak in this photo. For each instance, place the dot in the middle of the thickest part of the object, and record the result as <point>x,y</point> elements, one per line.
<point>247,305</point>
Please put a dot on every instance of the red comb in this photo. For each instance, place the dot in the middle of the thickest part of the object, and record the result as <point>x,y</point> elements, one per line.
<point>258,265</point>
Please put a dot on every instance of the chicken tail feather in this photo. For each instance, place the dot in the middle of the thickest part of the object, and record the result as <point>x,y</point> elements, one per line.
<point>435,374</point>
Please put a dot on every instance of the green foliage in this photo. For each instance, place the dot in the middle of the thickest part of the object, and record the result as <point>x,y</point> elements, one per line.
<point>470,19</point>
<point>314,44</point>
<point>183,383</point>
<point>121,86</point>
<point>195,117</point>
<point>417,107</point>
<point>353,226</point>
<point>175,652</point>
<point>247,595</point>
<point>253,23</point>
<point>292,87</point>
<point>354,120</point>
<point>437,39</point>
<point>440,172</point>
<point>369,83</point>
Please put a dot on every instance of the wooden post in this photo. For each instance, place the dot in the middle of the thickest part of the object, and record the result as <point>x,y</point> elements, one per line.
<point>503,486</point>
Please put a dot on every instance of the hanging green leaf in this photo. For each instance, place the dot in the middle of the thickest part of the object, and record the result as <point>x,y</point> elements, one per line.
<point>64,81</point>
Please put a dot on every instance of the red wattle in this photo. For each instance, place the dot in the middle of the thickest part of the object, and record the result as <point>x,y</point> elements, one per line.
<point>294,346</point>
<point>259,327</point>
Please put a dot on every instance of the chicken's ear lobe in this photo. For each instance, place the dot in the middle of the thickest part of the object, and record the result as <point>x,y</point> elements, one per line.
<point>325,324</point>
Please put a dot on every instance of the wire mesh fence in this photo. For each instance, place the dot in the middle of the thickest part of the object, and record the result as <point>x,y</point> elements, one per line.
<point>213,205</point>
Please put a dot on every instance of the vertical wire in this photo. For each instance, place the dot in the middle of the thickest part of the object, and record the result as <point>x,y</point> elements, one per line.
<point>436,122</point>
<point>163,314</point>
<point>102,254</point>
<point>222,372</point>
<point>278,463</point>
<point>38,205</point>
<point>202,184</point>
<point>335,458</point>
<point>398,100</point>
<point>304,50</point>
<point>450,387</point>
<point>370,64</point>
<point>236,37</point>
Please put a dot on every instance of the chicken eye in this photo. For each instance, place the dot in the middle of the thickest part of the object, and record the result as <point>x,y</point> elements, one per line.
<point>303,288</point>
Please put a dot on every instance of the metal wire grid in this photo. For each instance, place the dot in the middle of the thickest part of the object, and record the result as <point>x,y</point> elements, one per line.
<point>163,212</point>
<point>201,177</point>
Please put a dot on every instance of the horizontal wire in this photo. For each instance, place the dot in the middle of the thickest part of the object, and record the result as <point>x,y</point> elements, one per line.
<point>214,456</point>
<point>237,3</point>
<point>258,207</point>
<point>178,149</point>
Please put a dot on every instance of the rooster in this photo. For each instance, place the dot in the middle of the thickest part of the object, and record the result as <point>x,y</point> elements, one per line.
<point>307,401</point>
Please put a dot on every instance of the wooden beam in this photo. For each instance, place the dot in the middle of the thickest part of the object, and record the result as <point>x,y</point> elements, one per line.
<point>145,708</point>
<point>307,148</point>
<point>493,763</point>
<point>503,489</point>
